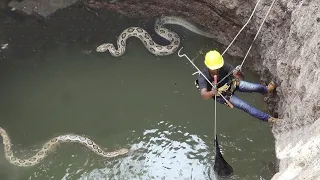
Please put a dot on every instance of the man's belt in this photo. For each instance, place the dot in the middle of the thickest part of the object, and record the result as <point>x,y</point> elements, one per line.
<point>227,89</point>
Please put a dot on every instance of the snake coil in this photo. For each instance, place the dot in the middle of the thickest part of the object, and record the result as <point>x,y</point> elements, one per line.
<point>144,36</point>
<point>50,146</point>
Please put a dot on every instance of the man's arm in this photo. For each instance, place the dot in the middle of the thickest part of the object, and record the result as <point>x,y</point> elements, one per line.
<point>205,94</point>
<point>238,74</point>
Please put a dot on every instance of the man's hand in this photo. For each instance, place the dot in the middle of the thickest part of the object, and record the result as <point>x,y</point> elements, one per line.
<point>208,94</point>
<point>237,73</point>
<point>238,68</point>
<point>214,91</point>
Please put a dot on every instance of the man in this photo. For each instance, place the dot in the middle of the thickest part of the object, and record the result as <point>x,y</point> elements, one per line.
<point>215,65</point>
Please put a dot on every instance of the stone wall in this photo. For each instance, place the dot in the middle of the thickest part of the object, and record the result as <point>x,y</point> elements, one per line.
<point>293,55</point>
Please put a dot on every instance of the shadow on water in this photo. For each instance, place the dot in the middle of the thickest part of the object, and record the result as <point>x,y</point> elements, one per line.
<point>49,86</point>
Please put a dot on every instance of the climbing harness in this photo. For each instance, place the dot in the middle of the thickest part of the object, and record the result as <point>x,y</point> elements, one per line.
<point>227,90</point>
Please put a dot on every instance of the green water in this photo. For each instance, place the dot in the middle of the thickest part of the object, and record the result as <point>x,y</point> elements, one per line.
<point>138,101</point>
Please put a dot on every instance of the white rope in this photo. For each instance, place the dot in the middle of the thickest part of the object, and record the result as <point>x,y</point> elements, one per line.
<point>215,115</point>
<point>242,27</point>
<point>257,33</point>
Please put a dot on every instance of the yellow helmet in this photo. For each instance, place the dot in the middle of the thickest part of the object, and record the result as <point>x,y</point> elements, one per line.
<point>213,60</point>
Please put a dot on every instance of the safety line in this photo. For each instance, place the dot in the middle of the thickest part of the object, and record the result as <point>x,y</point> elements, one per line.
<point>240,66</point>
<point>257,33</point>
<point>242,27</point>
<point>215,114</point>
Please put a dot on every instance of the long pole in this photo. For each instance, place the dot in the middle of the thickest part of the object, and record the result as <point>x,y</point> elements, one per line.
<point>215,106</point>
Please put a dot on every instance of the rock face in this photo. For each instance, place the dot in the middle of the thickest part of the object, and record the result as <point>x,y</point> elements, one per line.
<point>293,55</point>
<point>286,50</point>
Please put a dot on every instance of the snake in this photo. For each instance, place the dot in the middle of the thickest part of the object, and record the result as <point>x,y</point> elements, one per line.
<point>145,37</point>
<point>50,145</point>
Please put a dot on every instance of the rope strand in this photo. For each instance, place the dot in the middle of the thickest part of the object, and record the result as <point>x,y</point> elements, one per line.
<point>215,114</point>
<point>240,66</point>
<point>242,27</point>
<point>257,33</point>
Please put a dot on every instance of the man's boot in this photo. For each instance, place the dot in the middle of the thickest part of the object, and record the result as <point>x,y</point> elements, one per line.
<point>271,86</point>
<point>273,120</point>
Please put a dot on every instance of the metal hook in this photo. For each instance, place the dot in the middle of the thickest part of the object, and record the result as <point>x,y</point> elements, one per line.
<point>187,57</point>
<point>179,53</point>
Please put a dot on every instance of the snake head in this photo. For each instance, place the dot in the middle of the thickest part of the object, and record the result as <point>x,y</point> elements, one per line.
<point>103,48</point>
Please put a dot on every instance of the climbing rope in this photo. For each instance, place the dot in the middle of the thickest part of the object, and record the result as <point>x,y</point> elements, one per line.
<point>257,33</point>
<point>240,66</point>
<point>242,28</point>
<point>215,108</point>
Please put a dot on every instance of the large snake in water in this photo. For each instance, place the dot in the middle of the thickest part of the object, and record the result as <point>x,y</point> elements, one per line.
<point>144,36</point>
<point>50,146</point>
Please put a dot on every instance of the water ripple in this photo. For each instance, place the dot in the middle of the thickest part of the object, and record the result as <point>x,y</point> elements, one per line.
<point>160,154</point>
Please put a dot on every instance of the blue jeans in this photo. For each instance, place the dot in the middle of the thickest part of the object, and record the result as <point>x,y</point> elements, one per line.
<point>240,104</point>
